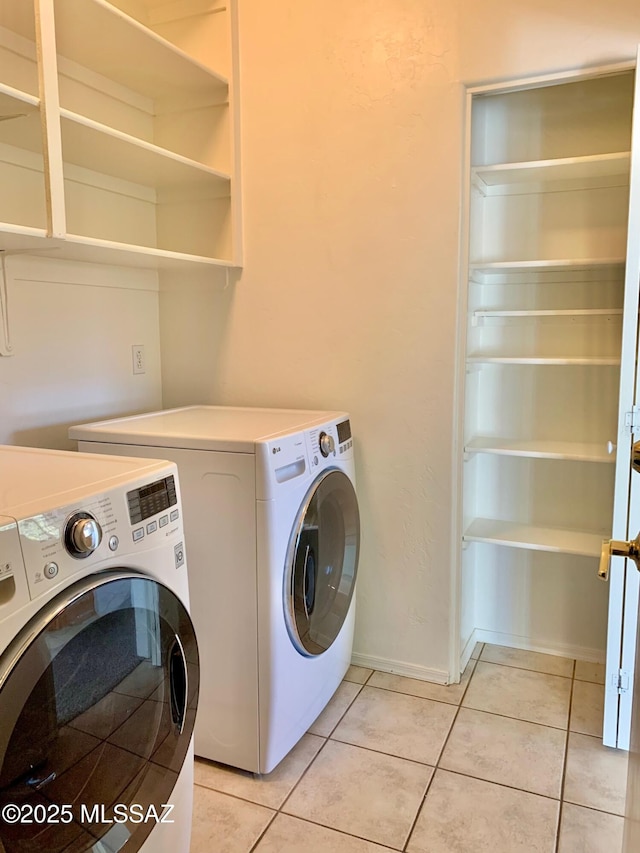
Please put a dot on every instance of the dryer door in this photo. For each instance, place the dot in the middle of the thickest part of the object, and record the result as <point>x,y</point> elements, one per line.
<point>322,563</point>
<point>97,705</point>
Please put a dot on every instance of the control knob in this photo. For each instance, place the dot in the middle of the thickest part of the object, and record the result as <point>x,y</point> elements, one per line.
<point>82,534</point>
<point>327,444</point>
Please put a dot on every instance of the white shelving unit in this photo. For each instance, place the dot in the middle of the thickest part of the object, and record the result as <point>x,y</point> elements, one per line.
<point>553,175</point>
<point>548,194</point>
<point>533,538</point>
<point>541,449</point>
<point>128,149</point>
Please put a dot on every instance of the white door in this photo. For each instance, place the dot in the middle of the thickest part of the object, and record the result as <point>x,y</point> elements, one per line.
<point>632,805</point>
<point>623,577</point>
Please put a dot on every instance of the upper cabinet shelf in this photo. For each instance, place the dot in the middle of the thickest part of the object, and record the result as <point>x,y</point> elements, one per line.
<point>130,54</point>
<point>595,170</point>
<point>137,159</point>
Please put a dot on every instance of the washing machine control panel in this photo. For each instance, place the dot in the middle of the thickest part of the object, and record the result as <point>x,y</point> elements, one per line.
<point>58,543</point>
<point>329,443</point>
<point>151,499</point>
<point>301,456</point>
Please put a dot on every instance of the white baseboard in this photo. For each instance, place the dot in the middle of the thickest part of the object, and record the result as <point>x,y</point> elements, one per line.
<point>530,644</point>
<point>410,670</point>
<point>515,641</point>
<point>467,651</point>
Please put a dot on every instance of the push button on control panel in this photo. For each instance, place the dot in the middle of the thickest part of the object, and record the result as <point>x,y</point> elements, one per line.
<point>50,570</point>
<point>138,534</point>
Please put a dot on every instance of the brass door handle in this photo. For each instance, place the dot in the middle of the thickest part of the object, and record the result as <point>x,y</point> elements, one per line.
<point>616,548</point>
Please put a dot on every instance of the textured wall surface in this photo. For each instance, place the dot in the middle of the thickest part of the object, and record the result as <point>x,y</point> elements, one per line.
<point>352,132</point>
<point>72,329</point>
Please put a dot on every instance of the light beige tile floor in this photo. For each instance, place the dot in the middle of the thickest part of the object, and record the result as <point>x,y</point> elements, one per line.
<point>508,761</point>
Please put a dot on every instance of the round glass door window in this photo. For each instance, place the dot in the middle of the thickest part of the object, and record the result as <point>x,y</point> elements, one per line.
<point>98,697</point>
<point>322,563</point>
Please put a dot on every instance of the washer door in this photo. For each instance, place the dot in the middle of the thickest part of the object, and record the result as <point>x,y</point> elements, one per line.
<point>322,563</point>
<point>97,702</point>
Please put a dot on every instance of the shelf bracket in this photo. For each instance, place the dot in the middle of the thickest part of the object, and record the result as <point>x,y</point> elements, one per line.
<point>6,347</point>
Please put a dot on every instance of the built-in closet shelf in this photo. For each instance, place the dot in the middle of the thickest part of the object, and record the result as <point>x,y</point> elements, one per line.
<point>595,361</point>
<point>533,538</point>
<point>20,126</point>
<point>533,314</point>
<point>539,271</point>
<point>92,250</point>
<point>541,449</point>
<point>14,103</point>
<point>102,149</point>
<point>128,53</point>
<point>553,175</point>
<point>119,142</point>
<point>77,247</point>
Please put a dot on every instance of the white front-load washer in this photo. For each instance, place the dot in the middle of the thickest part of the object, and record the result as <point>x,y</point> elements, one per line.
<point>99,663</point>
<point>273,533</point>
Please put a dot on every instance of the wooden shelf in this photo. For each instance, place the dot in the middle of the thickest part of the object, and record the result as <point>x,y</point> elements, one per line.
<point>596,361</point>
<point>131,55</point>
<point>78,248</point>
<point>553,175</point>
<point>92,145</point>
<point>14,101</point>
<point>141,160</point>
<point>515,535</point>
<point>24,238</point>
<point>93,250</point>
<point>535,314</point>
<point>537,271</point>
<point>541,449</point>
<point>20,120</point>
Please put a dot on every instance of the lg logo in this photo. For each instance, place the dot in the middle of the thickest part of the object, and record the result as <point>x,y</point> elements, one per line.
<point>275,450</point>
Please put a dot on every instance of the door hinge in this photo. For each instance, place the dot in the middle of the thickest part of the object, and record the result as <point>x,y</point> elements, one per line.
<point>621,681</point>
<point>632,421</point>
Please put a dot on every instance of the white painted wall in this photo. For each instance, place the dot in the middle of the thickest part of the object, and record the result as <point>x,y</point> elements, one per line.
<point>352,149</point>
<point>72,327</point>
<point>352,120</point>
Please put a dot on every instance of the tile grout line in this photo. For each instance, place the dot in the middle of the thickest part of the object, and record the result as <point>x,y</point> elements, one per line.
<point>527,669</point>
<point>564,763</point>
<point>308,767</point>
<point>458,706</point>
<point>437,764</point>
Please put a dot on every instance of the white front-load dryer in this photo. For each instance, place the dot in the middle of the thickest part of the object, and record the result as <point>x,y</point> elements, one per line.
<point>99,666</point>
<point>272,529</point>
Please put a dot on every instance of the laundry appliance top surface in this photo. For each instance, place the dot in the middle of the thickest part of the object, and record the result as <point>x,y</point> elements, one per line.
<point>32,479</point>
<point>224,428</point>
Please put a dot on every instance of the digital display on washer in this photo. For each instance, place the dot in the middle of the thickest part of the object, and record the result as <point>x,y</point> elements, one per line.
<point>344,431</point>
<point>151,499</point>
